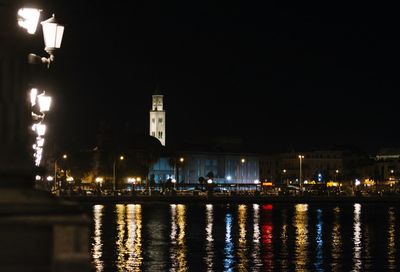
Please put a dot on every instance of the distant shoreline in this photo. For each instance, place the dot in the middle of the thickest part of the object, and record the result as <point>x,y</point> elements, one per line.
<point>231,199</point>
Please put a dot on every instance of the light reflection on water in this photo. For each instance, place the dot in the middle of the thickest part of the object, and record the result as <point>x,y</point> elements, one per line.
<point>209,238</point>
<point>229,248</point>
<point>178,242</point>
<point>300,222</point>
<point>391,243</point>
<point>336,241</point>
<point>97,244</point>
<point>267,237</point>
<point>278,237</point>
<point>242,244</point>
<point>255,255</point>
<point>319,242</point>
<point>357,236</point>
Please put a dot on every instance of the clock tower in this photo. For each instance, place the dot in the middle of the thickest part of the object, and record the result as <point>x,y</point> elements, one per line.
<point>157,118</point>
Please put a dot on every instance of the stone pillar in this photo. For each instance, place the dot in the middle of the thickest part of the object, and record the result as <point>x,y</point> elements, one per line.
<point>38,232</point>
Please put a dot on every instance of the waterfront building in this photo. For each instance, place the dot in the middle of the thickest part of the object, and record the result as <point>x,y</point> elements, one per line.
<point>223,167</point>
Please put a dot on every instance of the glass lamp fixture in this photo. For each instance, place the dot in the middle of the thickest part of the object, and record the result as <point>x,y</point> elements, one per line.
<point>28,18</point>
<point>53,34</point>
<point>44,102</point>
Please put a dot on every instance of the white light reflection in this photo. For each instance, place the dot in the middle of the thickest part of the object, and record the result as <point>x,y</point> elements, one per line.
<point>301,244</point>
<point>256,238</point>
<point>209,238</point>
<point>357,261</point>
<point>228,249</point>
<point>320,242</point>
<point>242,245</point>
<point>391,245</point>
<point>97,246</point>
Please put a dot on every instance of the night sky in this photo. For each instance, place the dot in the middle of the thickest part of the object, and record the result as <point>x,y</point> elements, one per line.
<point>287,75</point>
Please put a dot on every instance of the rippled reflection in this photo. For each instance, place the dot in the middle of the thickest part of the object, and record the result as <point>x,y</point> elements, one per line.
<point>336,241</point>
<point>209,238</point>
<point>267,237</point>
<point>120,210</point>
<point>256,238</point>
<point>97,245</point>
<point>178,242</point>
<point>133,244</point>
<point>300,222</point>
<point>391,243</point>
<point>242,245</point>
<point>284,253</point>
<point>319,242</point>
<point>357,246</point>
<point>229,248</point>
<point>129,237</point>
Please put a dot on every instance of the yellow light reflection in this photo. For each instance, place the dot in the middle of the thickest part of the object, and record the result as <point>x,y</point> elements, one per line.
<point>336,241</point>
<point>133,243</point>
<point>300,223</point>
<point>357,236</point>
<point>242,247</point>
<point>120,210</point>
<point>97,246</point>
<point>209,238</point>
<point>178,241</point>
<point>391,245</point>
<point>256,238</point>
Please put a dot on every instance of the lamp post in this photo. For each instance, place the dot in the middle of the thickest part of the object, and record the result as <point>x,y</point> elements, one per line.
<point>301,157</point>
<point>284,177</point>
<point>121,158</point>
<point>56,187</point>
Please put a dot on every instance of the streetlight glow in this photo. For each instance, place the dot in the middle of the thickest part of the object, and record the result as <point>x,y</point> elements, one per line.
<point>33,95</point>
<point>28,18</point>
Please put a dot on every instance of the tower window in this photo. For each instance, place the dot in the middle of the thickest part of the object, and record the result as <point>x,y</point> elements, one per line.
<point>160,120</point>
<point>153,120</point>
<point>153,133</point>
<point>160,134</point>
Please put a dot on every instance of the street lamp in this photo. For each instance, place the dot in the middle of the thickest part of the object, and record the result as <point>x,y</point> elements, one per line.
<point>301,157</point>
<point>284,176</point>
<point>64,157</point>
<point>52,34</point>
<point>336,174</point>
<point>121,158</point>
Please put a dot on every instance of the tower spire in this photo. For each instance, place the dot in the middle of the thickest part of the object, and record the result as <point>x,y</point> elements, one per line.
<point>157,117</point>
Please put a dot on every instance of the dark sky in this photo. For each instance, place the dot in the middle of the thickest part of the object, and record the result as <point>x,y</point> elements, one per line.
<point>286,74</point>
